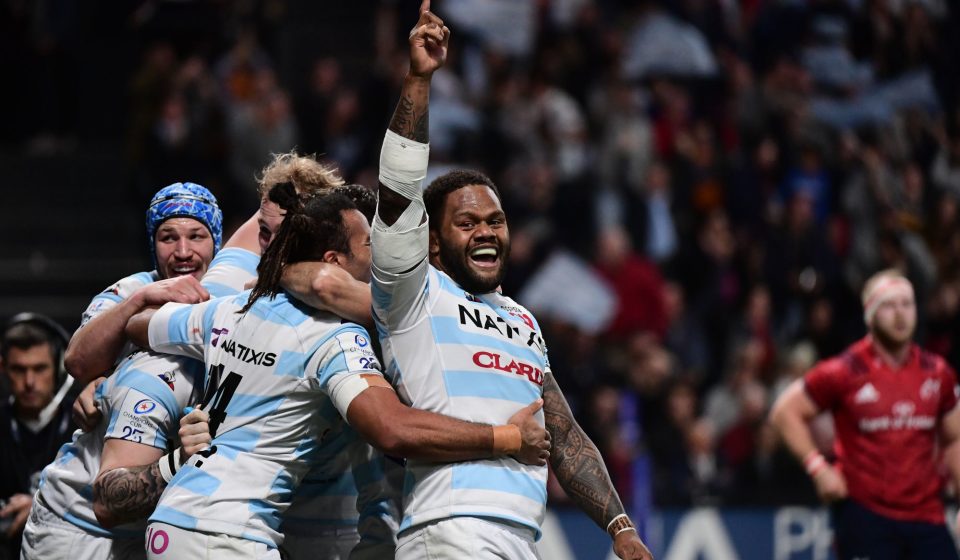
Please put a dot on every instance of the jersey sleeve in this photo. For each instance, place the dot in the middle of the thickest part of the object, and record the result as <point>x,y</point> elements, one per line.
<point>115,294</point>
<point>340,361</point>
<point>824,384</point>
<point>141,408</point>
<point>230,271</point>
<point>182,329</point>
<point>399,295</point>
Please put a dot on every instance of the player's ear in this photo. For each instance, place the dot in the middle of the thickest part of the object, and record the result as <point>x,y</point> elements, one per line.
<point>434,244</point>
<point>332,257</point>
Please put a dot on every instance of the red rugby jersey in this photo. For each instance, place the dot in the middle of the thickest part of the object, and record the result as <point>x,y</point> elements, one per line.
<point>887,422</point>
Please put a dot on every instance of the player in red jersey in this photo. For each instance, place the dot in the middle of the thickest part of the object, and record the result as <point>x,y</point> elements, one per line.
<point>894,405</point>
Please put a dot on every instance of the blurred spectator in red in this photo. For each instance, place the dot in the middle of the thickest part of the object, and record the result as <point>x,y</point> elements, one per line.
<point>637,283</point>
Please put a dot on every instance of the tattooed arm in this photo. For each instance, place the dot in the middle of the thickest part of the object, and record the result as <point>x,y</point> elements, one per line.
<point>127,494</point>
<point>579,468</point>
<point>428,51</point>
<point>130,483</point>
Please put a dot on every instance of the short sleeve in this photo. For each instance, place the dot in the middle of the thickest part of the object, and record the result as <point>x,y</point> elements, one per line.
<point>142,409</point>
<point>824,384</point>
<point>230,271</point>
<point>339,362</point>
<point>181,329</point>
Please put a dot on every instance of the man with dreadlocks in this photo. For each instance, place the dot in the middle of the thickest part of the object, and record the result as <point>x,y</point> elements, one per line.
<point>285,381</point>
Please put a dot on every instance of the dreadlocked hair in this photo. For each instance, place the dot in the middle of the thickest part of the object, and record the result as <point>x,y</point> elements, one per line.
<point>312,226</point>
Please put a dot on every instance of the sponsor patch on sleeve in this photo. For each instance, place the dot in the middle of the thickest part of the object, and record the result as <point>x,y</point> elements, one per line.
<point>357,351</point>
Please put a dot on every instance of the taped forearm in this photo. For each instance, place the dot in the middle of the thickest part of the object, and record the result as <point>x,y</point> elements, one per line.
<point>403,165</point>
<point>402,246</point>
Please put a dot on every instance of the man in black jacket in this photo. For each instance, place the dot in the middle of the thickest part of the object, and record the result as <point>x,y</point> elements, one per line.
<point>34,422</point>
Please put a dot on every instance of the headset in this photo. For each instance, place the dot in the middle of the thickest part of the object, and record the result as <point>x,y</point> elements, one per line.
<point>58,336</point>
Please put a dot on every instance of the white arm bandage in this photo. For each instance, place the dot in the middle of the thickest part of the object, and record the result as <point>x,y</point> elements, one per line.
<point>351,387</point>
<point>403,165</point>
<point>403,245</point>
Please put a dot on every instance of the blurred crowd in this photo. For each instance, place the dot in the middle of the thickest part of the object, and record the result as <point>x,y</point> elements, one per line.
<point>727,173</point>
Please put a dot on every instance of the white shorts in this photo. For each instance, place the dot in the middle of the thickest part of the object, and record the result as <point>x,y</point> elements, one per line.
<point>166,542</point>
<point>467,537</point>
<point>326,544</point>
<point>47,536</point>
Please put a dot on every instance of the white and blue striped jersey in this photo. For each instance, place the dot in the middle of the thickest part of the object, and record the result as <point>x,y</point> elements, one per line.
<point>227,274</point>
<point>116,293</point>
<point>476,357</point>
<point>142,402</point>
<point>274,376</point>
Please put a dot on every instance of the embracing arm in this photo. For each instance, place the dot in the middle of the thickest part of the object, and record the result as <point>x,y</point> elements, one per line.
<point>95,347</point>
<point>329,287</point>
<point>579,468</point>
<point>398,430</point>
<point>138,328</point>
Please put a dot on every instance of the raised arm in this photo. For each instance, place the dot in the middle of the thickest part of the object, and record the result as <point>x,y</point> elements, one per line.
<point>96,346</point>
<point>579,468</point>
<point>790,416</point>
<point>400,176</point>
<point>398,430</point>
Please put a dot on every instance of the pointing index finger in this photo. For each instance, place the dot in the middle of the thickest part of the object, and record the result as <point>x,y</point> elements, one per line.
<point>424,7</point>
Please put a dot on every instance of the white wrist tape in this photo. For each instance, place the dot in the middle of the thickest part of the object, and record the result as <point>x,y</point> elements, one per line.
<point>169,465</point>
<point>403,165</point>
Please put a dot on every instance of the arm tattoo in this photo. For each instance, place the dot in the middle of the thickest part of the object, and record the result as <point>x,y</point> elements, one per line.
<point>407,123</point>
<point>129,493</point>
<point>576,461</point>
<point>411,119</point>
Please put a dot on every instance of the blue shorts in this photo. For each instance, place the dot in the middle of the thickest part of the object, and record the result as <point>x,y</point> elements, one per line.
<point>860,533</point>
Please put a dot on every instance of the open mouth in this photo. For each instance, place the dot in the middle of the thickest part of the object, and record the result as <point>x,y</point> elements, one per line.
<point>184,269</point>
<point>485,257</point>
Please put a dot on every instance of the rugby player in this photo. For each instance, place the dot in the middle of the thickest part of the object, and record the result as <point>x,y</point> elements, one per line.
<point>892,404</point>
<point>283,379</point>
<point>455,345</point>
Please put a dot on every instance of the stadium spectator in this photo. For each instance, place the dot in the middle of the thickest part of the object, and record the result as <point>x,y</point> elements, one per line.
<point>35,422</point>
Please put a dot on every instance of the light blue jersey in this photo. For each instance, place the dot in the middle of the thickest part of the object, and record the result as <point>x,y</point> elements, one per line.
<point>476,357</point>
<point>273,379</point>
<point>142,401</point>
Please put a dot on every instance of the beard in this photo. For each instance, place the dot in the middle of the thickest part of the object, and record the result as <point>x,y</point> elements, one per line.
<point>888,340</point>
<point>456,265</point>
